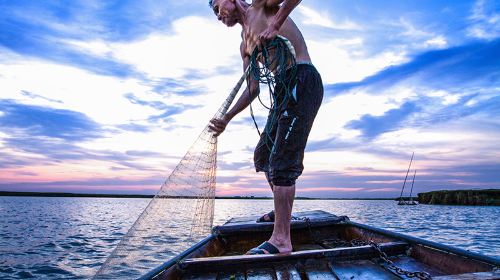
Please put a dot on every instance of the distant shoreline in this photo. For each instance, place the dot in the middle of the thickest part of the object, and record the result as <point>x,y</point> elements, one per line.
<point>93,195</point>
<point>483,197</point>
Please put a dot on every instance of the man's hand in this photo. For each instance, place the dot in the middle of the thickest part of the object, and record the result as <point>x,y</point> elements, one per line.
<point>218,125</point>
<point>268,34</point>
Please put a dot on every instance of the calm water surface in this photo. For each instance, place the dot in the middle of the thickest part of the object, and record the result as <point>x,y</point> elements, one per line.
<point>69,238</point>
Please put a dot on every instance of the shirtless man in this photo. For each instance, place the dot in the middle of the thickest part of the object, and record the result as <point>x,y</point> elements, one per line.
<point>261,22</point>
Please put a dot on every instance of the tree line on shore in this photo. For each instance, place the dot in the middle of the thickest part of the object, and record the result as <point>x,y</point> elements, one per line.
<point>461,197</point>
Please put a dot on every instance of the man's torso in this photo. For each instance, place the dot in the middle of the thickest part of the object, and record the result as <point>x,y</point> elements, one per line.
<point>258,17</point>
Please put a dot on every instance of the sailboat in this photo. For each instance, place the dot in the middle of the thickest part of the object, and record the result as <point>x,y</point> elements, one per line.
<point>411,201</point>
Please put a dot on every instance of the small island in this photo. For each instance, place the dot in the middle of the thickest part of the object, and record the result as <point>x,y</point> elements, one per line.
<point>488,197</point>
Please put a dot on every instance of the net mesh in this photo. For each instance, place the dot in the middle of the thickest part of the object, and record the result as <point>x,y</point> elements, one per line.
<point>160,232</point>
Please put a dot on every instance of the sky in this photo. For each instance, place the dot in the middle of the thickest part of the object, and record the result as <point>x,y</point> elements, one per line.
<point>107,96</point>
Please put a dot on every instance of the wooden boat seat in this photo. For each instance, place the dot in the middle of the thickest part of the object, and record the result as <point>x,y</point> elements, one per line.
<point>249,261</point>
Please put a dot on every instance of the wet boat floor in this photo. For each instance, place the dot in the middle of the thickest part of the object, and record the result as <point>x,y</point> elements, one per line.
<point>358,269</point>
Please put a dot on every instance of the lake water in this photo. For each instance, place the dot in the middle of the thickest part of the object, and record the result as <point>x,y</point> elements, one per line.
<point>69,238</point>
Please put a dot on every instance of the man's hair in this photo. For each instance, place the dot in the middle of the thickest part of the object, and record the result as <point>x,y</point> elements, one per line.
<point>211,3</point>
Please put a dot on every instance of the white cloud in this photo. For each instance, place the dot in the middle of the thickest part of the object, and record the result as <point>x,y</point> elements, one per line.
<point>101,98</point>
<point>485,20</point>
<point>97,48</point>
<point>419,37</point>
<point>340,160</point>
<point>438,42</point>
<point>193,43</point>
<point>79,90</point>
<point>447,98</point>
<point>442,144</point>
<point>323,19</point>
<point>338,63</point>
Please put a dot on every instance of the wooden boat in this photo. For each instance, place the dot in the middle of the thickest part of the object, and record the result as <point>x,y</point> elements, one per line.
<point>325,247</point>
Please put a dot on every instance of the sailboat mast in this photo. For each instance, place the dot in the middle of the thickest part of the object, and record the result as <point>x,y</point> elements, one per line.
<point>404,183</point>
<point>411,190</point>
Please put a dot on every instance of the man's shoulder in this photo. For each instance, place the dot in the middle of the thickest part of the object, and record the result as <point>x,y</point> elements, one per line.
<point>267,3</point>
<point>259,3</point>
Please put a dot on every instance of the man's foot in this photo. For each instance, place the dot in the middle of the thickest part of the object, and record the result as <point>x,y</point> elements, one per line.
<point>269,217</point>
<point>265,248</point>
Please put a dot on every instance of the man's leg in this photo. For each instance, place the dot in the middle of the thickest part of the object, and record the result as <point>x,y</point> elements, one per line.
<point>283,204</point>
<point>268,217</point>
<point>290,142</point>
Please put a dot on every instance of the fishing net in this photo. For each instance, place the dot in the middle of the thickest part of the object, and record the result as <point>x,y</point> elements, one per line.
<point>160,232</point>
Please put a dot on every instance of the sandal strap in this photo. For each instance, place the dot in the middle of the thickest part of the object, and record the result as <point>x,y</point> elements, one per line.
<point>271,215</point>
<point>268,247</point>
<point>263,219</point>
<point>256,251</point>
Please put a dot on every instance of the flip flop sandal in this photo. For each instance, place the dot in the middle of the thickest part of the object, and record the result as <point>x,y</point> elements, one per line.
<point>262,248</point>
<point>269,217</point>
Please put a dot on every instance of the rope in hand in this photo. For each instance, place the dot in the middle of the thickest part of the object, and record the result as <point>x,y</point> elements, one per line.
<point>273,64</point>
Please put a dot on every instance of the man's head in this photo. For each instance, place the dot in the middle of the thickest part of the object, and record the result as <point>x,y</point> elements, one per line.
<point>226,11</point>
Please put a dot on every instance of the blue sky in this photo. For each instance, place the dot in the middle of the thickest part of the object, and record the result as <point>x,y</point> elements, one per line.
<point>107,96</point>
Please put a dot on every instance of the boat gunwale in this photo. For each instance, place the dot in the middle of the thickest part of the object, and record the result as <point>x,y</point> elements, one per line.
<point>434,245</point>
<point>174,261</point>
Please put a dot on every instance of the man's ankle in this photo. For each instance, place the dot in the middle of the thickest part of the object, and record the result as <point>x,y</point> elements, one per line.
<point>280,240</point>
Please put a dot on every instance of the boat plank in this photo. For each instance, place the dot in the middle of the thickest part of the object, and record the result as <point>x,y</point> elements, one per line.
<point>470,276</point>
<point>287,272</point>
<point>318,270</point>
<point>361,270</point>
<point>261,274</point>
<point>237,275</point>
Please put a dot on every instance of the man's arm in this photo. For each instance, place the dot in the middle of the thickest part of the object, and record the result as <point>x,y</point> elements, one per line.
<point>250,93</point>
<point>279,18</point>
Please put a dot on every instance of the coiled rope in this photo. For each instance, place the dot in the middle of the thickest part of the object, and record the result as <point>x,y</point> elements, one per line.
<point>274,65</point>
